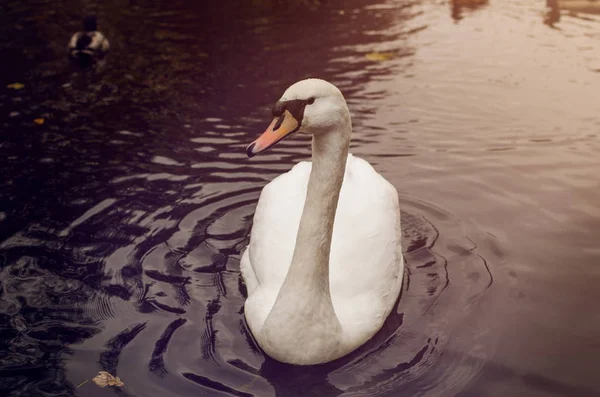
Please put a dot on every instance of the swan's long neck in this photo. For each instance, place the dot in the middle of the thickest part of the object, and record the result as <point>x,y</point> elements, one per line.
<point>310,262</point>
<point>303,315</point>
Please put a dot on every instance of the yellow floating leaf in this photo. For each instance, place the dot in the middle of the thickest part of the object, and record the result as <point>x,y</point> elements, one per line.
<point>39,121</point>
<point>15,86</point>
<point>379,56</point>
<point>341,12</point>
<point>105,379</point>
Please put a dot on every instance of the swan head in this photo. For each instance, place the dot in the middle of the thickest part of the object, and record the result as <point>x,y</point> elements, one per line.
<point>311,106</point>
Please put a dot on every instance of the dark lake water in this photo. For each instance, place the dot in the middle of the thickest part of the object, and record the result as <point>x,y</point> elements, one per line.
<point>123,215</point>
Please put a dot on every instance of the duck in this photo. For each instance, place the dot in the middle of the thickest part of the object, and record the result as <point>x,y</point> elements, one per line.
<point>324,266</point>
<point>89,43</point>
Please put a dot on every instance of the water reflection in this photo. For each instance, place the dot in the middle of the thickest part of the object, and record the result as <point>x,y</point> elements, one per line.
<point>583,6</point>
<point>575,7</point>
<point>458,7</point>
<point>552,16</point>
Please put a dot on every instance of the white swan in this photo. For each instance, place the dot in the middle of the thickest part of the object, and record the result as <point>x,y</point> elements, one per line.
<point>320,281</point>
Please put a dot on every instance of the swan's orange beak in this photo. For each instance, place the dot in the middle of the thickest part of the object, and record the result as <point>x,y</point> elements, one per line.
<point>281,127</point>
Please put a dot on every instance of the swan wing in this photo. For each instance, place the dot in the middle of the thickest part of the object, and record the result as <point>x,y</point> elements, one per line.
<point>276,220</point>
<point>366,265</point>
<point>267,258</point>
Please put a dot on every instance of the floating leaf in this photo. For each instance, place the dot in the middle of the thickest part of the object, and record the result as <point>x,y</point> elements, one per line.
<point>341,12</point>
<point>379,56</point>
<point>39,121</point>
<point>105,379</point>
<point>15,86</point>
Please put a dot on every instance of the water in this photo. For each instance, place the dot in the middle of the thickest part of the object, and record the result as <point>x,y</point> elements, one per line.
<point>122,216</point>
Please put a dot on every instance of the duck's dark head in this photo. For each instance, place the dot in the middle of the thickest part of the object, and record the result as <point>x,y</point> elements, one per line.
<point>90,24</point>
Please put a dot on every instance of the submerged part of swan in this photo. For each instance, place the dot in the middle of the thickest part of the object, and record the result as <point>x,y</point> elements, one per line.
<point>324,265</point>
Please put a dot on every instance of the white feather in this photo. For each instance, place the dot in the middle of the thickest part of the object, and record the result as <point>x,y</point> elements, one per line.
<point>365,261</point>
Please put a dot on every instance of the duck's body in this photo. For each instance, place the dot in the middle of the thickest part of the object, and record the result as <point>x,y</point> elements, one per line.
<point>89,43</point>
<point>324,266</point>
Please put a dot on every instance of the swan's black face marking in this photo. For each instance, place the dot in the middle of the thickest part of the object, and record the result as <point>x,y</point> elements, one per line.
<point>296,109</point>
<point>279,108</point>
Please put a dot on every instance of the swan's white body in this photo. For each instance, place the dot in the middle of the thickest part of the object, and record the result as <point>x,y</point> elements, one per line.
<point>307,304</point>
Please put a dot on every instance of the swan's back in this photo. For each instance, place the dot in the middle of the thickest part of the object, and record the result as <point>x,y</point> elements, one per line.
<point>366,265</point>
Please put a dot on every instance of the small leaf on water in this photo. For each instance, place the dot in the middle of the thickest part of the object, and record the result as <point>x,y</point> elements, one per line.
<point>379,56</point>
<point>341,12</point>
<point>15,86</point>
<point>39,121</point>
<point>105,379</point>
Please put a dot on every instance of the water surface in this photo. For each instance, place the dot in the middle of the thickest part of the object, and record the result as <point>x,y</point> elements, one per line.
<point>123,215</point>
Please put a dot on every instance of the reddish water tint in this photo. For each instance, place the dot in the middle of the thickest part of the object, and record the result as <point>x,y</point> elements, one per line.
<point>122,216</point>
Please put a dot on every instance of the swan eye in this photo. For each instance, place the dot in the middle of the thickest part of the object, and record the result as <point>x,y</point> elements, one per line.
<point>311,100</point>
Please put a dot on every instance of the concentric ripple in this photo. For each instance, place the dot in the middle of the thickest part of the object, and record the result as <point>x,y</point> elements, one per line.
<point>190,298</point>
